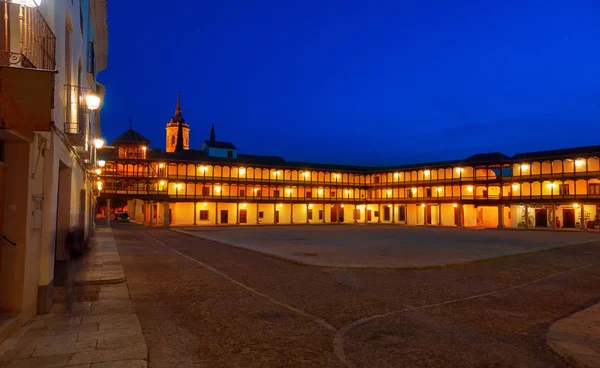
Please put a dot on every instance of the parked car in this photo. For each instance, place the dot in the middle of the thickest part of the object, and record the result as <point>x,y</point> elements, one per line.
<point>121,216</point>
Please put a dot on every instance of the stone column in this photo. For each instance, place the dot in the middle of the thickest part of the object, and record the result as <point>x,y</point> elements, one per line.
<point>237,213</point>
<point>500,216</point>
<point>216,213</point>
<point>323,212</point>
<point>379,213</point>
<point>354,214</point>
<point>553,217</point>
<point>439,214</point>
<point>167,215</point>
<point>133,213</point>
<point>195,213</point>
<point>461,217</point>
<point>146,217</point>
<point>108,212</point>
<point>366,210</point>
<point>393,214</point>
<point>337,213</point>
<point>274,210</point>
<point>307,220</point>
<point>424,215</point>
<point>526,216</point>
<point>582,220</point>
<point>151,213</point>
<point>257,211</point>
<point>291,213</point>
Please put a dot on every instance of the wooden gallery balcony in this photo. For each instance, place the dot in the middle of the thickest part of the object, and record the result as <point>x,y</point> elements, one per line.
<point>27,63</point>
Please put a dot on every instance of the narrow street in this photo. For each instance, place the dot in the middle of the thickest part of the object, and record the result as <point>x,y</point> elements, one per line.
<point>206,304</point>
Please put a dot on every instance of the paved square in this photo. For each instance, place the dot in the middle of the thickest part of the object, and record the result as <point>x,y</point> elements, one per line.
<point>383,246</point>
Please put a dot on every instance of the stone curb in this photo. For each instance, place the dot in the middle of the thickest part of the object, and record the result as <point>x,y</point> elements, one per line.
<point>576,338</point>
<point>104,263</point>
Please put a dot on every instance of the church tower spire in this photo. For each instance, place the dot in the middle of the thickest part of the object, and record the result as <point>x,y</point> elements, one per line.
<point>212,133</point>
<point>178,131</point>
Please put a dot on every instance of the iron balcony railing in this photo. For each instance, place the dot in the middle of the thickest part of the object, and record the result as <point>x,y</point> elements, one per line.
<point>26,40</point>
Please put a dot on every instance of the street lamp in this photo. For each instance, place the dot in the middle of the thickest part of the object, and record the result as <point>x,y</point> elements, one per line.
<point>92,101</point>
<point>98,143</point>
<point>101,163</point>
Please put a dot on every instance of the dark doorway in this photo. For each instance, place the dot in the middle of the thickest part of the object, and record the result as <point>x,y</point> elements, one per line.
<point>541,218</point>
<point>386,213</point>
<point>243,216</point>
<point>456,214</point>
<point>276,216</point>
<point>402,213</point>
<point>569,218</point>
<point>428,214</point>
<point>224,216</point>
<point>368,215</point>
<point>337,213</point>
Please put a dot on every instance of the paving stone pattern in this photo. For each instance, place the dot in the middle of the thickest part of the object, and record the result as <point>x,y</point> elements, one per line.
<point>102,265</point>
<point>577,338</point>
<point>103,333</point>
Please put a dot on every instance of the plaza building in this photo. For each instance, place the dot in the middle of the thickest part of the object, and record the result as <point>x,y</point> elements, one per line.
<point>217,185</point>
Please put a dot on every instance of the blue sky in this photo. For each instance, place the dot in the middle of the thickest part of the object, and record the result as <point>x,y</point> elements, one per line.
<point>358,82</point>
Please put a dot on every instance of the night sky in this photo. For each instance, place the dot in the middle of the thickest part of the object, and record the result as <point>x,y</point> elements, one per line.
<point>358,82</point>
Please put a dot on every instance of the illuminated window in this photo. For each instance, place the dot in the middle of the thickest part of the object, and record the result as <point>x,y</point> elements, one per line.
<point>309,214</point>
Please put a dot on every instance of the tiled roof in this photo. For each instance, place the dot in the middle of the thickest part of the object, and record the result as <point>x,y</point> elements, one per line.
<point>217,144</point>
<point>131,136</point>
<point>558,153</point>
<point>487,157</point>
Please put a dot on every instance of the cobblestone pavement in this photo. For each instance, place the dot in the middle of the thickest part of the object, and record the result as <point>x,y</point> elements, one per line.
<point>102,329</point>
<point>206,304</point>
<point>577,338</point>
<point>397,246</point>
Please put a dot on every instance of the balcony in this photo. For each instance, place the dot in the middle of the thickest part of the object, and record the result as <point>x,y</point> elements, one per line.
<point>26,40</point>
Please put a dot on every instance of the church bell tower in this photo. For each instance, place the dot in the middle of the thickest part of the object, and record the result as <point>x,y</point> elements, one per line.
<point>173,135</point>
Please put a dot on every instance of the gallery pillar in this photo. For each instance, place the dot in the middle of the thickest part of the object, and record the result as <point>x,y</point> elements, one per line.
<point>379,213</point>
<point>500,216</point>
<point>108,212</point>
<point>393,214</point>
<point>323,212</point>
<point>166,215</point>
<point>151,213</point>
<point>237,213</point>
<point>216,213</point>
<point>291,213</point>
<point>195,214</point>
<point>439,213</point>
<point>582,220</point>
<point>526,216</point>
<point>553,217</point>
<point>307,220</point>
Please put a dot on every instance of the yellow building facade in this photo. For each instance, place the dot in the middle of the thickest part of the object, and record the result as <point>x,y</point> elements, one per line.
<point>217,186</point>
